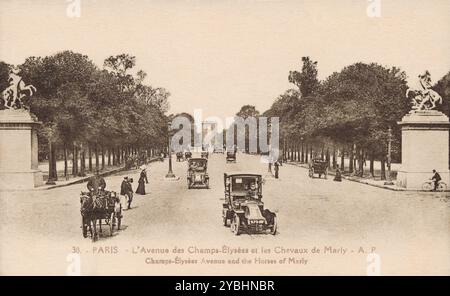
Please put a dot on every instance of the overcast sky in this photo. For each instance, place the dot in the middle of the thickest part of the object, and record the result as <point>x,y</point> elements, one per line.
<point>219,55</point>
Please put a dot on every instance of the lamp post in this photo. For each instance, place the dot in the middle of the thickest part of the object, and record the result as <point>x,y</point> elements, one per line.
<point>170,175</point>
<point>269,156</point>
<point>302,156</point>
<point>389,180</point>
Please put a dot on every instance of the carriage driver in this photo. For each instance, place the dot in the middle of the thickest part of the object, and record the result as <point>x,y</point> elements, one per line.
<point>96,183</point>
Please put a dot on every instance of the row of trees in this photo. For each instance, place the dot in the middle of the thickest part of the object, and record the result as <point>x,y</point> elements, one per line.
<point>351,114</point>
<point>88,112</point>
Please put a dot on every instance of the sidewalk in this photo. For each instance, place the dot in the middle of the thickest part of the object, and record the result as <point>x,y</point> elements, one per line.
<point>370,182</point>
<point>77,180</point>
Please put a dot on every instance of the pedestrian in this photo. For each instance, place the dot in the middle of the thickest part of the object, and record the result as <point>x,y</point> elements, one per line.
<point>142,181</point>
<point>436,178</point>
<point>338,176</point>
<point>277,168</point>
<point>126,190</point>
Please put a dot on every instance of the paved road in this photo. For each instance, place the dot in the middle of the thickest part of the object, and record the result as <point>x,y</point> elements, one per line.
<point>409,230</point>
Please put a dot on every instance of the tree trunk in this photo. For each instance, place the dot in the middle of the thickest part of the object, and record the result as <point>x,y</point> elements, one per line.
<point>74,160</point>
<point>383,168</point>
<point>65,160</point>
<point>342,160</point>
<point>97,167</point>
<point>114,160</point>
<point>109,157</point>
<point>334,157</point>
<point>361,163</point>
<point>306,153</point>
<point>103,158</point>
<point>303,153</point>
<point>52,172</point>
<point>350,169</point>
<point>372,159</point>
<point>90,158</point>
<point>327,157</point>
<point>82,163</point>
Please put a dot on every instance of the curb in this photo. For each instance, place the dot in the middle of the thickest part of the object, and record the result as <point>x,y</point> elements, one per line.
<point>85,179</point>
<point>361,181</point>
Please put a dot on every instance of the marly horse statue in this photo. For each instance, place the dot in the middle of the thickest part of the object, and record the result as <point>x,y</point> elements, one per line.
<point>16,91</point>
<point>425,98</point>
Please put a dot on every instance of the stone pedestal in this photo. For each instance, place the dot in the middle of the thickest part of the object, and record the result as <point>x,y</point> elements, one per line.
<point>425,138</point>
<point>18,151</point>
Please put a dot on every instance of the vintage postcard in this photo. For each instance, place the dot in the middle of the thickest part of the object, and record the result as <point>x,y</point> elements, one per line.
<point>224,137</point>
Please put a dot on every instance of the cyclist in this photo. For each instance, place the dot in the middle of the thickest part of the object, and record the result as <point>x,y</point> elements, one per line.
<point>436,178</point>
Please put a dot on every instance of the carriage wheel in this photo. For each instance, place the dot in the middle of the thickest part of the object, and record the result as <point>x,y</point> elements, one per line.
<point>84,227</point>
<point>207,184</point>
<point>273,230</point>
<point>236,225</point>
<point>119,222</point>
<point>111,223</point>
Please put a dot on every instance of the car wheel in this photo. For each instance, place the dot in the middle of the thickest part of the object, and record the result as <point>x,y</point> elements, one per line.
<point>236,225</point>
<point>225,221</point>
<point>273,230</point>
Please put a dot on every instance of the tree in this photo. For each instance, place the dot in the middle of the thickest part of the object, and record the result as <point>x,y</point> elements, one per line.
<point>306,80</point>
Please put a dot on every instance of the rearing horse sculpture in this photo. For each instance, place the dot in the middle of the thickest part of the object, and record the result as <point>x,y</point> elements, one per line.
<point>425,98</point>
<point>16,91</point>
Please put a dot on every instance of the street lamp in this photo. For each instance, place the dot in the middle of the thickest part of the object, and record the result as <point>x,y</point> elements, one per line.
<point>170,175</point>
<point>302,156</point>
<point>389,180</point>
<point>269,156</point>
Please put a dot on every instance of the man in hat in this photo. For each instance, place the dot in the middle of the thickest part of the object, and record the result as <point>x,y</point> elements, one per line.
<point>96,183</point>
<point>436,178</point>
<point>126,190</point>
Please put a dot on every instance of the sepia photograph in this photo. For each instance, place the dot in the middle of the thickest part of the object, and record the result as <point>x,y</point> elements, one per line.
<point>224,138</point>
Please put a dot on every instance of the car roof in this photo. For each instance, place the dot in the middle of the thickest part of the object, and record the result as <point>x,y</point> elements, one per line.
<point>197,158</point>
<point>233,174</point>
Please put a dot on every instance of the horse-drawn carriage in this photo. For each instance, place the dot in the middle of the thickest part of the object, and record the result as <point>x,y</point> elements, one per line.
<point>197,175</point>
<point>97,208</point>
<point>231,156</point>
<point>179,156</point>
<point>319,167</point>
<point>243,206</point>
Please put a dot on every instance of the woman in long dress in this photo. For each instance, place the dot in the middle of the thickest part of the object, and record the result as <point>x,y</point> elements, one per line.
<point>142,181</point>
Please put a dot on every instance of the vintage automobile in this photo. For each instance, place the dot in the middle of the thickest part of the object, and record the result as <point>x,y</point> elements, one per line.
<point>197,175</point>
<point>187,155</point>
<point>231,156</point>
<point>319,167</point>
<point>243,209</point>
<point>205,154</point>
<point>179,156</point>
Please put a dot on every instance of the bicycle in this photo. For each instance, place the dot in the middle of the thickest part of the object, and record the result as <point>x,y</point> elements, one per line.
<point>429,186</point>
